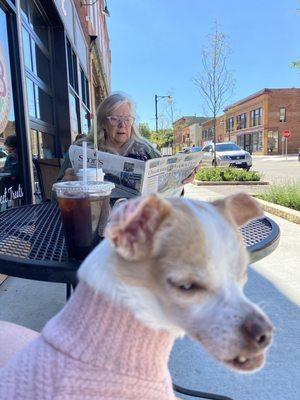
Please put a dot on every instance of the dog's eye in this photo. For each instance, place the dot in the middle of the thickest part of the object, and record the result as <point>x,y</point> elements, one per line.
<point>187,286</point>
<point>184,286</point>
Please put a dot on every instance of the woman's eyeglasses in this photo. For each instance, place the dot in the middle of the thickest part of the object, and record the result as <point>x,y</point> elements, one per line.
<point>115,121</point>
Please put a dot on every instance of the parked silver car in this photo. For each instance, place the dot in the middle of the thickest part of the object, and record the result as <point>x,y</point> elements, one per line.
<point>227,154</point>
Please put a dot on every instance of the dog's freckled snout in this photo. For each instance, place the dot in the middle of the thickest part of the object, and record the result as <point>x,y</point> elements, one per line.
<point>257,330</point>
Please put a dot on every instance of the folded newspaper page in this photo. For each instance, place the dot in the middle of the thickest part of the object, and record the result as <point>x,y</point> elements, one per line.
<point>162,175</point>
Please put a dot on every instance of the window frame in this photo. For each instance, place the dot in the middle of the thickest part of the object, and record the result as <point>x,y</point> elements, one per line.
<point>36,122</point>
<point>282,115</point>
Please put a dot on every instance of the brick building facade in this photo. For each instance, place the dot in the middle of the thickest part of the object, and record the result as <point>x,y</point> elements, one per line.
<point>187,132</point>
<point>257,122</point>
<point>208,129</point>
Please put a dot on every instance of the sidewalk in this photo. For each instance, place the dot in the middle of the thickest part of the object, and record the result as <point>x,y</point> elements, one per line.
<point>273,283</point>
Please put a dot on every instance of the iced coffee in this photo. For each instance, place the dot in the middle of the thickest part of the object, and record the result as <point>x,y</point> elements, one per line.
<point>84,211</point>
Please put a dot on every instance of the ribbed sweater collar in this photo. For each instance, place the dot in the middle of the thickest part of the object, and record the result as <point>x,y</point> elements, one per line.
<point>91,329</point>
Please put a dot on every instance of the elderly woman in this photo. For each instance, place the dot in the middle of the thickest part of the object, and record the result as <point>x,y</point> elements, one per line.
<point>117,133</point>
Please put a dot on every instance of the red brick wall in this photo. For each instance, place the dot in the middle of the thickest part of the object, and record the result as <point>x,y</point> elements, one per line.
<point>290,99</point>
<point>82,13</point>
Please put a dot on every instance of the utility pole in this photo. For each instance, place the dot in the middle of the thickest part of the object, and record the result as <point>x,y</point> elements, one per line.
<point>156,98</point>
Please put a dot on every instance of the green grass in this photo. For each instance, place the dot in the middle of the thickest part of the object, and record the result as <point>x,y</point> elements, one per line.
<point>220,174</point>
<point>287,195</point>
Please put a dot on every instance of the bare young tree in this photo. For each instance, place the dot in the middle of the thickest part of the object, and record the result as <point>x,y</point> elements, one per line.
<point>215,82</point>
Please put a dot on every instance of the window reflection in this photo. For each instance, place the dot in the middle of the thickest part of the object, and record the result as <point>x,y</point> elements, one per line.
<point>74,113</point>
<point>44,106</point>
<point>26,49</point>
<point>41,65</point>
<point>42,144</point>
<point>85,118</point>
<point>38,23</point>
<point>30,97</point>
<point>24,8</point>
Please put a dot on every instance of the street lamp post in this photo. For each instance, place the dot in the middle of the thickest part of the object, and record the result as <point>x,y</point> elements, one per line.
<point>156,98</point>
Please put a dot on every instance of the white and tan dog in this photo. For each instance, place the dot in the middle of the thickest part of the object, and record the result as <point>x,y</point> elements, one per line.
<point>168,267</point>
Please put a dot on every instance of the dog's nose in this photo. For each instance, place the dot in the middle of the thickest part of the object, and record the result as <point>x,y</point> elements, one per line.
<point>257,330</point>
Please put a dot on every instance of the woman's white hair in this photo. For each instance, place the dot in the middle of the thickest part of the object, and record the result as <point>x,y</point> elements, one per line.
<point>105,109</point>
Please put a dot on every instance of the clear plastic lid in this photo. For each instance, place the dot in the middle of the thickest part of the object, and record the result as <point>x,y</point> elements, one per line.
<point>92,174</point>
<point>91,187</point>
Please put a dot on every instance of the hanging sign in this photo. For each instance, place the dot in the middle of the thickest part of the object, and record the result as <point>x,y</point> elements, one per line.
<point>4,91</point>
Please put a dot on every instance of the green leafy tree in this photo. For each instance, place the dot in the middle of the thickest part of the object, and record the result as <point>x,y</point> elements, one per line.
<point>162,138</point>
<point>145,130</point>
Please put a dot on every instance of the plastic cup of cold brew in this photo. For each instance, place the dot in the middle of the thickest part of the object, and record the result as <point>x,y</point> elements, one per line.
<point>84,209</point>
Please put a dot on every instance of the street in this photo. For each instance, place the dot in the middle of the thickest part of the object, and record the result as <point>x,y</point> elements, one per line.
<point>277,169</point>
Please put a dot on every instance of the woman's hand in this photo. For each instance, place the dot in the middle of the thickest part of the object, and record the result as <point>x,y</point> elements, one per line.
<point>69,175</point>
<point>191,177</point>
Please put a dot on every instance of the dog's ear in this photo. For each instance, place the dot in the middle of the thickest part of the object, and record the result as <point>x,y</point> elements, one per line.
<point>240,207</point>
<point>133,225</point>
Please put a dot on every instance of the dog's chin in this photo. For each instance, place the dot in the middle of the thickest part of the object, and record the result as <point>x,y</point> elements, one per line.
<point>246,364</point>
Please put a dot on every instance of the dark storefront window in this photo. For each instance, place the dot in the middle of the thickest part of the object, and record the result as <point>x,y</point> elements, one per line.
<point>79,97</point>
<point>39,80</point>
<point>11,185</point>
<point>229,124</point>
<point>85,103</point>
<point>241,121</point>
<point>251,142</point>
<point>74,113</point>
<point>273,137</point>
<point>256,117</point>
<point>72,67</point>
<point>42,144</point>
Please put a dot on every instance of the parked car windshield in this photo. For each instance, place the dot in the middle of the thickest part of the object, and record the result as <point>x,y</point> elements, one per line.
<point>227,147</point>
<point>195,149</point>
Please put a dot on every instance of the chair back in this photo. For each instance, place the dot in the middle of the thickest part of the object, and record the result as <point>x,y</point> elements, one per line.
<point>47,171</point>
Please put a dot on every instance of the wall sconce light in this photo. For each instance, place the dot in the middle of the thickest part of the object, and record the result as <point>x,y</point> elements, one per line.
<point>105,11</point>
<point>93,38</point>
<point>87,4</point>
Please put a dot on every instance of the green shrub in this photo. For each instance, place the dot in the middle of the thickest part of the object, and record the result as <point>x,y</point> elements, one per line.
<point>287,195</point>
<point>226,174</point>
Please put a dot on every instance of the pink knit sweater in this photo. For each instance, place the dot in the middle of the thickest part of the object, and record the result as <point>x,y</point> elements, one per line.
<point>92,349</point>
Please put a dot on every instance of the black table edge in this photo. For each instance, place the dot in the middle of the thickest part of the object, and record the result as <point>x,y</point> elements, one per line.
<point>50,271</point>
<point>262,249</point>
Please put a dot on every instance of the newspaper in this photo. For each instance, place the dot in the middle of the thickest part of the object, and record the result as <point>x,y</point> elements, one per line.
<point>162,175</point>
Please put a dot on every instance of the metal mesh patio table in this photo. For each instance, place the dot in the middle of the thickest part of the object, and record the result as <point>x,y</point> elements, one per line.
<point>32,243</point>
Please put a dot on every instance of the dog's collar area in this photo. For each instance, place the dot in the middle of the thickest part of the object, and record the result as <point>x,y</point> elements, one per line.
<point>93,330</point>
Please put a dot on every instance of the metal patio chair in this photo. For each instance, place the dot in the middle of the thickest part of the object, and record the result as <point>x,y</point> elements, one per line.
<point>47,171</point>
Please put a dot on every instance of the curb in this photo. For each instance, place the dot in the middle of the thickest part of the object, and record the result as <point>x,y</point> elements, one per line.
<point>224,183</point>
<point>281,211</point>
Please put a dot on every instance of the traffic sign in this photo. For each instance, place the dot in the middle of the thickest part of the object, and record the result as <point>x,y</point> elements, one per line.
<point>286,134</point>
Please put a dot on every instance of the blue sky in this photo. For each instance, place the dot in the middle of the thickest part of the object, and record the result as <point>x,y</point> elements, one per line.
<point>156,48</point>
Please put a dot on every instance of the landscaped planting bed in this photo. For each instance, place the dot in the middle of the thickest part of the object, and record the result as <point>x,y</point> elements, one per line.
<point>221,174</point>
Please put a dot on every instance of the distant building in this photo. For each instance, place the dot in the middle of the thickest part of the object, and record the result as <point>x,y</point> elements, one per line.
<point>256,123</point>
<point>208,130</point>
<point>187,132</point>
